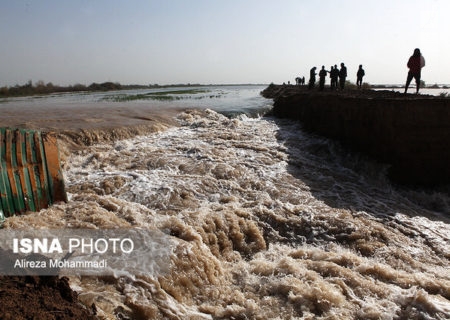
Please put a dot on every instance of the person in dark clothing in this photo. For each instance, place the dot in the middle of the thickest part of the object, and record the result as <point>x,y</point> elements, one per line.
<point>334,75</point>
<point>312,78</point>
<point>359,76</point>
<point>415,64</point>
<point>322,76</point>
<point>342,76</point>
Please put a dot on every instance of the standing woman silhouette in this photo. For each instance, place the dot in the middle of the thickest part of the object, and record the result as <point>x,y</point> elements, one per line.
<point>415,64</point>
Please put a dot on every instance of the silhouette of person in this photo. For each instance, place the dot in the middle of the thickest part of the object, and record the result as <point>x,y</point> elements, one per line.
<point>298,81</point>
<point>331,79</point>
<point>415,64</point>
<point>303,80</point>
<point>322,76</point>
<point>312,78</point>
<point>359,76</point>
<point>334,74</point>
<point>334,77</point>
<point>342,76</point>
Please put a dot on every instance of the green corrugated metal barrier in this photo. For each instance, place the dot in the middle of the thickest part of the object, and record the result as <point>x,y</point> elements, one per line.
<point>30,173</point>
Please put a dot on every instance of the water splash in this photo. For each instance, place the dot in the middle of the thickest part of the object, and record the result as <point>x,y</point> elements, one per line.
<point>267,222</point>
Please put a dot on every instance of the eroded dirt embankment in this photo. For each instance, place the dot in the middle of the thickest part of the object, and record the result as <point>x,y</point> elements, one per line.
<point>80,126</point>
<point>410,132</point>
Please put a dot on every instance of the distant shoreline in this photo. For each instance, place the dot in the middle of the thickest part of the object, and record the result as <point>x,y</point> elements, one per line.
<point>40,88</point>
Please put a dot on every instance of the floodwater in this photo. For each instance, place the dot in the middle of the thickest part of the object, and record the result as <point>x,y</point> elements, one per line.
<point>265,221</point>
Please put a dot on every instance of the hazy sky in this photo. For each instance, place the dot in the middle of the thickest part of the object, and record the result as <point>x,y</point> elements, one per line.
<point>218,41</point>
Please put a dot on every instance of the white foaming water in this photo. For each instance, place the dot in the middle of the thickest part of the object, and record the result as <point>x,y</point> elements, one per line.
<point>266,222</point>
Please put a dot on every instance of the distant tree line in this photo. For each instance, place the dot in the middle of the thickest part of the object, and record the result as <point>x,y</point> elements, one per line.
<point>40,87</point>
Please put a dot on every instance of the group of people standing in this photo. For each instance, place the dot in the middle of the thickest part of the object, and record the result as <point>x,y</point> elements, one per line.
<point>337,76</point>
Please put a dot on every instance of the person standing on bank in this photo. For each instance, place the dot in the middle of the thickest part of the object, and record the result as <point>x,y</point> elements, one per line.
<point>322,76</point>
<point>359,76</point>
<point>415,64</point>
<point>342,76</point>
<point>331,78</point>
<point>312,78</point>
<point>334,75</point>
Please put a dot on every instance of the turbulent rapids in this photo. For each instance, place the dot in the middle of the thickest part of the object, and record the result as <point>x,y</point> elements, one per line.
<point>265,222</point>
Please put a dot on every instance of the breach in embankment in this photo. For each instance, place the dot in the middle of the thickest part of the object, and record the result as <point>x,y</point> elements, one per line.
<point>409,132</point>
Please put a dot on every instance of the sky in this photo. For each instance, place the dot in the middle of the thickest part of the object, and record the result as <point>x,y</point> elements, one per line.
<point>219,41</point>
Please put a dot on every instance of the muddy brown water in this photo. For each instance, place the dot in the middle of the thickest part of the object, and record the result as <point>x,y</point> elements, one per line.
<point>265,221</point>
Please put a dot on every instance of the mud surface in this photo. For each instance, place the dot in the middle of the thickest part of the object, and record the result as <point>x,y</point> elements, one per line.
<point>40,298</point>
<point>275,91</point>
<point>82,117</point>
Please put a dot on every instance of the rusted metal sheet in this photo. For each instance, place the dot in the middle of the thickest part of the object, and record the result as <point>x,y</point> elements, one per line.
<point>30,173</point>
